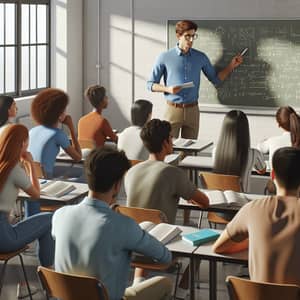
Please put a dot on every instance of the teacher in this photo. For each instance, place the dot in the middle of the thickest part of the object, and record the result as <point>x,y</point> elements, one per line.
<point>183,64</point>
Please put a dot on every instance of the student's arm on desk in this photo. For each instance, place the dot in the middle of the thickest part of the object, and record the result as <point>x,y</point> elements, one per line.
<point>200,199</point>
<point>224,244</point>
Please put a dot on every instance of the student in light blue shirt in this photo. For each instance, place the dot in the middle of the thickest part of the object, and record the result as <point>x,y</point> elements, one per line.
<point>91,239</point>
<point>48,110</point>
<point>180,65</point>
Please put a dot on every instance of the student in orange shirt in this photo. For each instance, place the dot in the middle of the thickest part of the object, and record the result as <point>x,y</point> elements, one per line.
<point>94,126</point>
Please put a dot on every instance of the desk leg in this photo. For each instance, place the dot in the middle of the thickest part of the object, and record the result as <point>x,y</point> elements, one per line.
<point>212,280</point>
<point>192,280</point>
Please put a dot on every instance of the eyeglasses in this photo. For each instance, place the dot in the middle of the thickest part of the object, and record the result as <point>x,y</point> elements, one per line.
<point>189,37</point>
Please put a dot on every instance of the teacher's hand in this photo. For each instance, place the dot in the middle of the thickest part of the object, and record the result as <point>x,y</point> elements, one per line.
<point>173,89</point>
<point>236,61</point>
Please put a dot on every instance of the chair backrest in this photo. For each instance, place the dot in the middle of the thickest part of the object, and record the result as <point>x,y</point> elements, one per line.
<point>244,289</point>
<point>142,214</point>
<point>87,144</point>
<point>71,287</point>
<point>39,169</point>
<point>214,181</point>
<point>134,162</point>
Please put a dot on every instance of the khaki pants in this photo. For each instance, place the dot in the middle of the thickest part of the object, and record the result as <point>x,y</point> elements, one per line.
<point>155,288</point>
<point>186,119</point>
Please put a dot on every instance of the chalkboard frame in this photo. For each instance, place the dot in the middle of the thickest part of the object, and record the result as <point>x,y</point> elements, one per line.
<point>221,108</point>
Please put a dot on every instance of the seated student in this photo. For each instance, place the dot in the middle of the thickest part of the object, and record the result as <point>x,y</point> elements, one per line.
<point>289,121</point>
<point>155,184</point>
<point>129,139</point>
<point>48,110</point>
<point>8,110</point>
<point>91,239</point>
<point>13,154</point>
<point>94,126</point>
<point>272,226</point>
<point>233,155</point>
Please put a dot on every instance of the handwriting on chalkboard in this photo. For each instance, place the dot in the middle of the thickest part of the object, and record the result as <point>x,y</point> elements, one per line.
<point>270,73</point>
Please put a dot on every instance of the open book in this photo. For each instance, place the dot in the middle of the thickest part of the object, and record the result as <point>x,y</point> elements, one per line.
<point>181,142</point>
<point>56,188</point>
<point>185,85</point>
<point>163,232</point>
<point>226,198</point>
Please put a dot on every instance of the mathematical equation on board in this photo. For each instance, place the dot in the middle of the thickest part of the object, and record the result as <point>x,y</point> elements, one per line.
<point>270,73</point>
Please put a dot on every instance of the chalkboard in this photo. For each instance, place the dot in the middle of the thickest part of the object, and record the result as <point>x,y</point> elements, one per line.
<point>270,73</point>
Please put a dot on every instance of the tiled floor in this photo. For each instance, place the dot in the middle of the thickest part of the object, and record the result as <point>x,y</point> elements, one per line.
<point>14,274</point>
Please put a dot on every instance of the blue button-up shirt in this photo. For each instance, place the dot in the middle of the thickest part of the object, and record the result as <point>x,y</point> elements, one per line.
<point>176,68</point>
<point>93,240</point>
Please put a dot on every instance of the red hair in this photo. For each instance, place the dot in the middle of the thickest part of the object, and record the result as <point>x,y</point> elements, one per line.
<point>11,142</point>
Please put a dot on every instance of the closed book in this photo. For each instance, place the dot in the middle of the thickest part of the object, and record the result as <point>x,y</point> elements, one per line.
<point>200,237</point>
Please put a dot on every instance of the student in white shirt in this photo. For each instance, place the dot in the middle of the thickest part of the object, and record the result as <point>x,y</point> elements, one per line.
<point>233,155</point>
<point>289,121</point>
<point>129,139</point>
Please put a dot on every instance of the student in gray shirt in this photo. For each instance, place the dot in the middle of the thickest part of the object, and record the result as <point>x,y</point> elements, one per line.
<point>155,184</point>
<point>91,239</point>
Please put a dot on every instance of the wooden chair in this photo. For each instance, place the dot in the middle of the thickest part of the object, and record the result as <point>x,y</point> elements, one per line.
<point>87,144</point>
<point>6,257</point>
<point>71,287</point>
<point>214,181</point>
<point>134,162</point>
<point>244,289</point>
<point>155,216</point>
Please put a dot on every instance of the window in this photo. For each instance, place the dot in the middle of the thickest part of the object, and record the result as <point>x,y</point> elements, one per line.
<point>24,46</point>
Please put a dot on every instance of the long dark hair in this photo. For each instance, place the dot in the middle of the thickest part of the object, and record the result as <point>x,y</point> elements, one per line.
<point>288,119</point>
<point>233,145</point>
<point>5,104</point>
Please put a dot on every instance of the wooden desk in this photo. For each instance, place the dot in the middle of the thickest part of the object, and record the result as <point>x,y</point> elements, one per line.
<point>205,252</point>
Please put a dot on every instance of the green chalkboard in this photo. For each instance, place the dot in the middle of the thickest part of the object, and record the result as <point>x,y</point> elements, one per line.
<point>270,73</point>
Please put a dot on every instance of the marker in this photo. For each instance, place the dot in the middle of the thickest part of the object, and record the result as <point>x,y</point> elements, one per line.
<point>244,51</point>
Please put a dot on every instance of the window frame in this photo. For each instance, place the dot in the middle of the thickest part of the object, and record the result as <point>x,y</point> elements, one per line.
<point>18,47</point>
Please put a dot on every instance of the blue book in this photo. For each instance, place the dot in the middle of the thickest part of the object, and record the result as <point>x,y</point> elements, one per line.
<point>200,237</point>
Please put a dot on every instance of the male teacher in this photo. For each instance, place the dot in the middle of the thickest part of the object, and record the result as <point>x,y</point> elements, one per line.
<point>180,65</point>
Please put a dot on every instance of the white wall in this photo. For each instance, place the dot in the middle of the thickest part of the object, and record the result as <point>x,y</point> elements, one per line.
<point>116,51</point>
<point>66,55</point>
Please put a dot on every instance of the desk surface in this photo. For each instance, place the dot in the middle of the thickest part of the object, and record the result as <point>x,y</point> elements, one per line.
<point>196,146</point>
<point>183,204</point>
<point>205,163</point>
<point>81,190</point>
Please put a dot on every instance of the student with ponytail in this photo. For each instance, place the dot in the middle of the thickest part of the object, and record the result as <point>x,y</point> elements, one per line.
<point>289,121</point>
<point>13,156</point>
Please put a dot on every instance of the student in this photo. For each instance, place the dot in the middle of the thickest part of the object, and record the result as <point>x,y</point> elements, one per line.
<point>129,139</point>
<point>233,155</point>
<point>94,126</point>
<point>13,153</point>
<point>181,64</point>
<point>48,110</point>
<point>272,226</point>
<point>8,111</point>
<point>92,239</point>
<point>289,121</point>
<point>155,184</point>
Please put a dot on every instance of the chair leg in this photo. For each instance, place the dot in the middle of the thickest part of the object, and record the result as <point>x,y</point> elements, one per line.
<point>25,276</point>
<point>2,275</point>
<point>178,266</point>
<point>200,219</point>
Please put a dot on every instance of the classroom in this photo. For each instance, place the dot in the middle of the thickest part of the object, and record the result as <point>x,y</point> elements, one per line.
<point>70,45</point>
